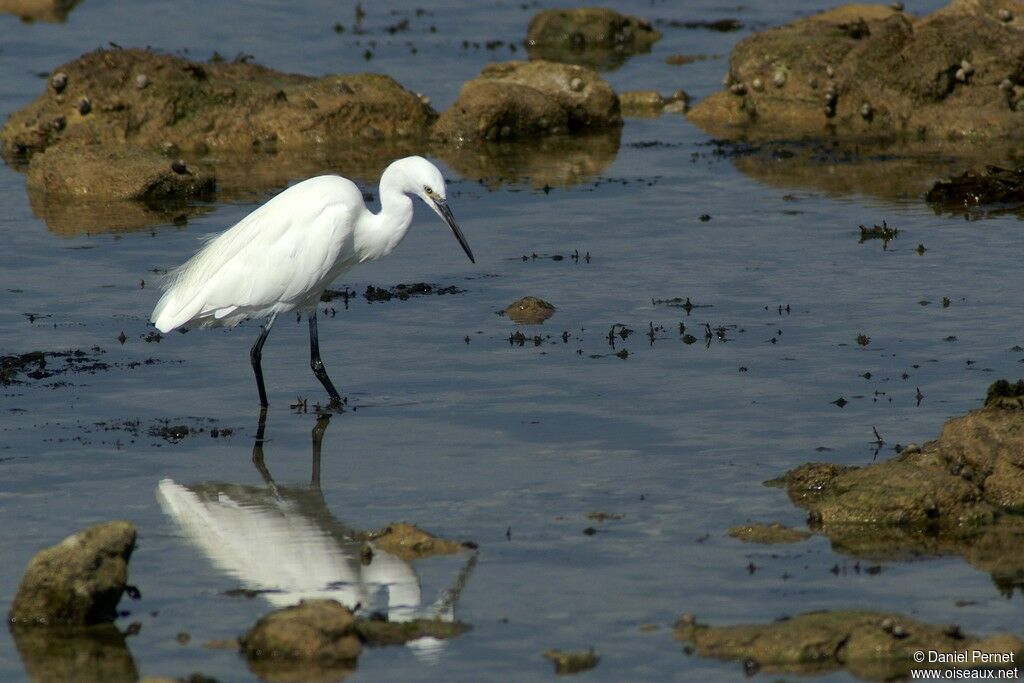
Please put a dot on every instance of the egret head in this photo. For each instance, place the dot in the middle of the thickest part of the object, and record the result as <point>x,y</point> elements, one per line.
<point>425,181</point>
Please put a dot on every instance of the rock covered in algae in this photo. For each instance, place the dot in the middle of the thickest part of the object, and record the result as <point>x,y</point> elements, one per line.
<point>971,474</point>
<point>529,311</point>
<point>871,645</point>
<point>594,36</point>
<point>55,11</point>
<point>869,70</point>
<point>960,494</point>
<point>96,172</point>
<point>514,99</point>
<point>77,582</point>
<point>199,106</point>
<point>322,639</point>
<point>312,630</point>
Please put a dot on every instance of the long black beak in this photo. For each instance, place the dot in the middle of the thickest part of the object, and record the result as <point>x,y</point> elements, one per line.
<point>444,212</point>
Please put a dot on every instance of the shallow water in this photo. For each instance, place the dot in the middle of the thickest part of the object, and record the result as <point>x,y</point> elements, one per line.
<point>509,446</point>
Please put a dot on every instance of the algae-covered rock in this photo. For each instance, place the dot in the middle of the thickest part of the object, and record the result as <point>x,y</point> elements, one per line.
<point>322,640</point>
<point>525,99</point>
<point>86,654</point>
<point>77,582</point>
<point>529,311</point>
<point>55,11</point>
<point>572,662</point>
<point>313,630</point>
<point>131,96</point>
<point>871,645</point>
<point>768,533</point>
<point>95,172</point>
<point>869,70</point>
<point>594,36</point>
<point>960,494</point>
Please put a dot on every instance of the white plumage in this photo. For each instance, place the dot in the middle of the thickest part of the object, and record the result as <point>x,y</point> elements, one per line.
<point>284,254</point>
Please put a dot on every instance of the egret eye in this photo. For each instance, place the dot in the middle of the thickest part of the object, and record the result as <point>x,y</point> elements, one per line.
<point>428,190</point>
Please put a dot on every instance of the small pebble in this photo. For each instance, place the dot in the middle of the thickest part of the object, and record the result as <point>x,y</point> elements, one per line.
<point>967,66</point>
<point>829,71</point>
<point>58,123</point>
<point>961,75</point>
<point>779,79</point>
<point>757,84</point>
<point>59,82</point>
<point>865,110</point>
<point>141,81</point>
<point>84,106</point>
<point>898,6</point>
<point>1005,15</point>
<point>424,99</point>
<point>576,84</point>
<point>738,89</point>
<point>1006,84</point>
<point>179,167</point>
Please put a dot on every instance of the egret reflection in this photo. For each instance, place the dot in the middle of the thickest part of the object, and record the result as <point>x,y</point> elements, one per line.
<point>284,542</point>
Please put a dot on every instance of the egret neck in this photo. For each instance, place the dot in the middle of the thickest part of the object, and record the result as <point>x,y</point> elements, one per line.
<point>377,234</point>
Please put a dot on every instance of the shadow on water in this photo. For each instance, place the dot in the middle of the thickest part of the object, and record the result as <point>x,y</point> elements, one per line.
<point>887,170</point>
<point>284,543</point>
<point>92,654</point>
<point>253,176</point>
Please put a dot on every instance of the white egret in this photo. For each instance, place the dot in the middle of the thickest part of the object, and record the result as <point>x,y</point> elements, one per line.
<point>283,255</point>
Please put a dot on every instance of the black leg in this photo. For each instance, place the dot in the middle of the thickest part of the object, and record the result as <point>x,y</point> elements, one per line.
<point>317,364</point>
<point>256,355</point>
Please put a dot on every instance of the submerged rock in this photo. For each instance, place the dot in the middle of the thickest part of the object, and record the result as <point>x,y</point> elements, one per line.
<point>571,662</point>
<point>768,533</point>
<point>869,70</point>
<point>593,36</point>
<point>871,645</point>
<point>529,311</point>
<point>196,106</point>
<point>77,582</point>
<point>525,99</point>
<point>96,172</point>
